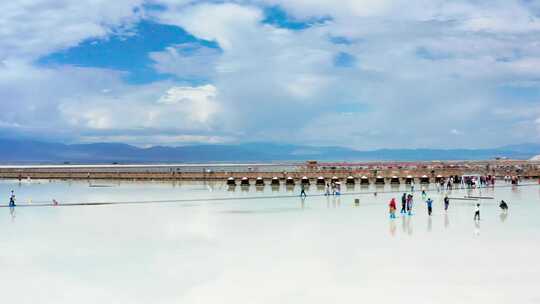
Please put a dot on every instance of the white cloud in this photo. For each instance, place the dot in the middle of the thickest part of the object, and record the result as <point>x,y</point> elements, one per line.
<point>71,103</point>
<point>133,108</point>
<point>198,103</point>
<point>422,67</point>
<point>267,72</point>
<point>32,28</point>
<point>187,61</point>
<point>224,23</point>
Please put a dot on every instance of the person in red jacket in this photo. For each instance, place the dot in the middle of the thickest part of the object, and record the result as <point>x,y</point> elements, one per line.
<point>392,208</point>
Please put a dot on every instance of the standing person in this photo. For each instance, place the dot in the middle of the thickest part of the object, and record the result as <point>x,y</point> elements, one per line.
<point>403,203</point>
<point>392,208</point>
<point>429,203</point>
<point>446,202</point>
<point>409,204</point>
<point>477,212</point>
<point>504,206</point>
<point>303,191</point>
<point>424,194</point>
<point>12,199</point>
<point>327,189</point>
<point>412,185</point>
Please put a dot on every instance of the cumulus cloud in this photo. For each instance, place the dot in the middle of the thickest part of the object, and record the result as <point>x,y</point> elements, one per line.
<point>181,108</point>
<point>70,103</point>
<point>270,72</point>
<point>30,28</point>
<point>415,70</point>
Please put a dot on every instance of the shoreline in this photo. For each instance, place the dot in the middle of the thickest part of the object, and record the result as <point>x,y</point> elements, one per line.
<point>311,172</point>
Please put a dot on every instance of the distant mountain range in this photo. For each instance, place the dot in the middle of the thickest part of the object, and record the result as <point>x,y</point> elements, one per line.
<point>29,151</point>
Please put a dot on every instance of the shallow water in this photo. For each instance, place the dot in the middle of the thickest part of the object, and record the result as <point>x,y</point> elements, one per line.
<point>263,246</point>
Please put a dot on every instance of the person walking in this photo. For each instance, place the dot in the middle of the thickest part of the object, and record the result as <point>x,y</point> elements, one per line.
<point>446,202</point>
<point>429,203</point>
<point>403,203</point>
<point>303,191</point>
<point>409,204</point>
<point>477,212</point>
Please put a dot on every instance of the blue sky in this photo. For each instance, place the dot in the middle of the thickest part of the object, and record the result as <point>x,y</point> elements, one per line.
<point>364,74</point>
<point>126,51</point>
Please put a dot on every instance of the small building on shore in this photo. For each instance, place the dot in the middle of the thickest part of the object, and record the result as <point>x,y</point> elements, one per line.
<point>364,180</point>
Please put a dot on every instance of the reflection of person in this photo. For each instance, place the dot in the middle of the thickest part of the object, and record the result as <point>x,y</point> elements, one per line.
<point>12,213</point>
<point>409,226</point>
<point>503,216</point>
<point>392,228</point>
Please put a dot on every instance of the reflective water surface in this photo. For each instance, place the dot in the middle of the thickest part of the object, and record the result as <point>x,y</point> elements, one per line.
<point>264,245</point>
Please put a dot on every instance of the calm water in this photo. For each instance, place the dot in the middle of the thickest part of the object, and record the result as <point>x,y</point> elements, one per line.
<point>254,249</point>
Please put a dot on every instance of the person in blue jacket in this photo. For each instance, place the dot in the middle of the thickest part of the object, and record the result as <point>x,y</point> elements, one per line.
<point>429,203</point>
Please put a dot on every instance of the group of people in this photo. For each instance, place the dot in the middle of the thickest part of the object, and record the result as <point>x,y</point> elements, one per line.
<point>333,188</point>
<point>407,205</point>
<point>514,180</point>
<point>469,182</point>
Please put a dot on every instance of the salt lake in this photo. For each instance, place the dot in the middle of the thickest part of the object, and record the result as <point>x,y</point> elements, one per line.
<point>195,242</point>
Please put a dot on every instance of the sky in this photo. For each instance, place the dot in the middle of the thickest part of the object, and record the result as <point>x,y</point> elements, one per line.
<point>363,74</point>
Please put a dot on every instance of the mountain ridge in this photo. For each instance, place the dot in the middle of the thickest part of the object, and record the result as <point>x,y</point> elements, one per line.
<point>32,151</point>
